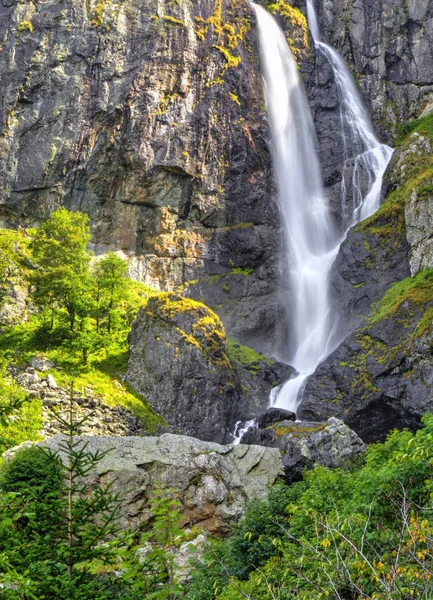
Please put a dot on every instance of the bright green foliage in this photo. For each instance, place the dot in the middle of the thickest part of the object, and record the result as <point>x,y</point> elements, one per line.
<point>423,126</point>
<point>63,536</point>
<point>417,290</point>
<point>109,274</point>
<point>86,306</point>
<point>62,279</point>
<point>366,533</point>
<point>246,356</point>
<point>20,418</point>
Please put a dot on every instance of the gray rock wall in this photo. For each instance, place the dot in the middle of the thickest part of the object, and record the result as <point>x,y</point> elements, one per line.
<point>389,46</point>
<point>148,117</point>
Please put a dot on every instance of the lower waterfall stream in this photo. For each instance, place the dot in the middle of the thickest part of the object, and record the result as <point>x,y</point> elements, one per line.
<point>311,240</point>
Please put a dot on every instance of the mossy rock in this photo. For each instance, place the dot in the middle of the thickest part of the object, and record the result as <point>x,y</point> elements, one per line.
<point>179,362</point>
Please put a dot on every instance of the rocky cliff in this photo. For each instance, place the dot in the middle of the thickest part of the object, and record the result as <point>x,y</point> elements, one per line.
<point>389,45</point>
<point>149,117</point>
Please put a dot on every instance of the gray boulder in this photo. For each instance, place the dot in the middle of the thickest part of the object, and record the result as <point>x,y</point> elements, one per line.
<point>275,415</point>
<point>213,483</point>
<point>179,363</point>
<point>41,364</point>
<point>304,445</point>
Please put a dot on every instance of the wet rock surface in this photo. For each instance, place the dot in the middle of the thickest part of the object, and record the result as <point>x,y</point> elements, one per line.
<point>274,415</point>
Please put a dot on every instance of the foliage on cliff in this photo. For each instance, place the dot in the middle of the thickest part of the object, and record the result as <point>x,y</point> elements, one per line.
<point>364,533</point>
<point>297,25</point>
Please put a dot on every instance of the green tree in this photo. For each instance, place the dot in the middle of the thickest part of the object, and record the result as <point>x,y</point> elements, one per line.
<point>61,281</point>
<point>109,274</point>
<point>66,538</point>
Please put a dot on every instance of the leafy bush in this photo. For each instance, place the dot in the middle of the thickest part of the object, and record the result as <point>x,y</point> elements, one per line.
<point>337,534</point>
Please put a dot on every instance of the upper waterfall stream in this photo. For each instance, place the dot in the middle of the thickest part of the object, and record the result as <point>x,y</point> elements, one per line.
<point>310,237</point>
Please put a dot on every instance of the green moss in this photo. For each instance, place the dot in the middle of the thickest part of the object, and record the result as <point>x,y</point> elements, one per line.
<point>241,271</point>
<point>25,26</point>
<point>246,356</point>
<point>207,334</point>
<point>173,20</point>
<point>297,431</point>
<point>235,98</point>
<point>296,19</point>
<point>417,290</point>
<point>214,279</point>
<point>423,126</point>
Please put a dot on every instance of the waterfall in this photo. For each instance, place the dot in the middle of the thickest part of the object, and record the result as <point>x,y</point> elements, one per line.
<point>312,242</point>
<point>370,158</point>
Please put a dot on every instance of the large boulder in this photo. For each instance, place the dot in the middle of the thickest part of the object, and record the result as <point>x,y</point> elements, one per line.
<point>213,483</point>
<point>179,363</point>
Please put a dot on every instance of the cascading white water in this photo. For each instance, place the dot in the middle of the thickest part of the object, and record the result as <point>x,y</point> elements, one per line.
<point>369,157</point>
<point>312,242</point>
<point>309,233</point>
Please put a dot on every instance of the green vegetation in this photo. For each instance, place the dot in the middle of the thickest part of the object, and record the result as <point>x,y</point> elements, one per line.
<point>423,126</point>
<point>25,26</point>
<point>246,357</point>
<point>241,271</point>
<point>298,23</point>
<point>207,333</point>
<point>165,535</point>
<point>417,290</point>
<point>20,417</point>
<point>64,538</point>
<point>340,534</point>
<point>82,310</point>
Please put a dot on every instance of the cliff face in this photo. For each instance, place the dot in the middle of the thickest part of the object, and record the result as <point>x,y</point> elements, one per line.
<point>389,46</point>
<point>149,117</point>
